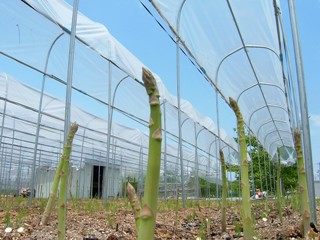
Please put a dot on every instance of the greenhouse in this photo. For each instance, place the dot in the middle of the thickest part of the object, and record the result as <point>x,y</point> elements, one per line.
<point>33,121</point>
<point>64,67</point>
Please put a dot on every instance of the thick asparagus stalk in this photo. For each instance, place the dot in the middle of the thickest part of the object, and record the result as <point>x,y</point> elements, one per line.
<point>62,201</point>
<point>56,180</point>
<point>303,187</point>
<point>245,187</point>
<point>149,206</point>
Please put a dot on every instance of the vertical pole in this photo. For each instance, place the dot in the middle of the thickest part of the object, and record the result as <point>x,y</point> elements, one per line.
<point>81,161</point>
<point>260,173</point>
<point>217,168</point>
<point>180,131</point>
<point>270,176</point>
<point>140,183</point>
<point>290,78</point>
<point>67,120</point>
<point>303,109</point>
<point>278,184</point>
<point>165,149</point>
<point>219,135</point>
<point>1,136</point>
<point>19,171</point>
<point>196,179</point>
<point>179,107</point>
<point>99,176</point>
<point>251,167</point>
<point>110,109</point>
<point>11,153</point>
<point>92,172</point>
<point>113,166</point>
<point>36,142</point>
<point>265,171</point>
<point>120,175</point>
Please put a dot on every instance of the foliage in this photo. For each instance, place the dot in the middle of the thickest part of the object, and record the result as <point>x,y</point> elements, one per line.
<point>289,177</point>
<point>7,218</point>
<point>234,188</point>
<point>208,189</point>
<point>265,174</point>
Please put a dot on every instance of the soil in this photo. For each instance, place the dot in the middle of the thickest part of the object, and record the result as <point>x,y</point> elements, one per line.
<point>90,219</point>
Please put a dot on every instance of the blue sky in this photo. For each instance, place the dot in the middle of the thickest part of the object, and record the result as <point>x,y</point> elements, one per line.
<point>133,26</point>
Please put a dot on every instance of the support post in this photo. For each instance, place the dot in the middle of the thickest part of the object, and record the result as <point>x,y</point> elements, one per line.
<point>303,109</point>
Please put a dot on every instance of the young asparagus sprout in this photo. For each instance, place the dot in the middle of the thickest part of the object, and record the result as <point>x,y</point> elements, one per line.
<point>65,155</point>
<point>62,201</point>
<point>245,187</point>
<point>147,218</point>
<point>224,193</point>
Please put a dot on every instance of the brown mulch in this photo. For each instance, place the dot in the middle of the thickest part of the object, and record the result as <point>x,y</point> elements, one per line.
<point>88,219</point>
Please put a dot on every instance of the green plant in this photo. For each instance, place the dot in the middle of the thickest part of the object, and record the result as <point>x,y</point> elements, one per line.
<point>21,215</point>
<point>244,163</point>
<point>62,170</point>
<point>19,200</point>
<point>146,215</point>
<point>110,220</point>
<point>238,226</point>
<point>62,201</point>
<point>7,218</point>
<point>132,181</point>
<point>43,204</point>
<point>202,232</point>
<point>189,218</point>
<point>294,200</point>
<point>279,187</point>
<point>303,187</point>
<point>92,206</point>
<point>224,193</point>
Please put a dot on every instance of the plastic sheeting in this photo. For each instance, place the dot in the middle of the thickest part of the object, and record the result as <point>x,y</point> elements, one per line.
<point>105,74</point>
<point>90,66</point>
<point>235,44</point>
<point>19,110</point>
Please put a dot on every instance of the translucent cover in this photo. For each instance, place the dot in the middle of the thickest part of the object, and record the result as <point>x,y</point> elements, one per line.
<point>235,43</point>
<point>106,86</point>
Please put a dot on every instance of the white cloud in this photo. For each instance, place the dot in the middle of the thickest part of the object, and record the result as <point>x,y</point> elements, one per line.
<point>315,120</point>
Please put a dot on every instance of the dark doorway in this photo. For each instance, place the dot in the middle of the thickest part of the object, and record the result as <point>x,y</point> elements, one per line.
<point>97,181</point>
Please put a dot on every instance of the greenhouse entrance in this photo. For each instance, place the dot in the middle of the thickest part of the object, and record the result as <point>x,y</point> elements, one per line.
<point>97,181</point>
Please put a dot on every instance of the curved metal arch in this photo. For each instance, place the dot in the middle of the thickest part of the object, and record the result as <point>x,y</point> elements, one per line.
<point>257,84</point>
<point>39,118</point>
<point>264,106</point>
<point>248,57</point>
<point>184,121</point>
<point>280,130</point>
<point>285,137</point>
<point>269,121</point>
<point>116,88</point>
<point>216,138</point>
<point>196,158</point>
<point>111,99</point>
<point>277,140</point>
<point>179,106</point>
<point>237,50</point>
<point>197,134</point>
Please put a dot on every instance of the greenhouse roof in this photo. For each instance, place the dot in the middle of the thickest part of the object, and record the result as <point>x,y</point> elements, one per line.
<point>105,74</point>
<point>237,46</point>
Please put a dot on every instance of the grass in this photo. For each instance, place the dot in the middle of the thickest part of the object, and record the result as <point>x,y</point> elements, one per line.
<point>7,219</point>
